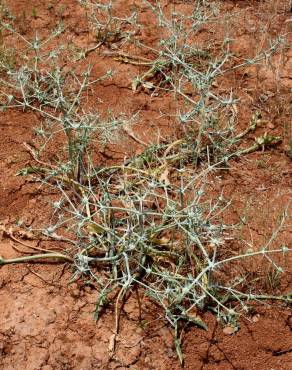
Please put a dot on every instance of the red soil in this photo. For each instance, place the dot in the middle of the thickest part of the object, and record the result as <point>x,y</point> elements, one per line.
<point>46,323</point>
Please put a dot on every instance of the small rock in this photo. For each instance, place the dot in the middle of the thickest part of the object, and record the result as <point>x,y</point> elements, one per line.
<point>229,330</point>
<point>51,317</point>
<point>255,318</point>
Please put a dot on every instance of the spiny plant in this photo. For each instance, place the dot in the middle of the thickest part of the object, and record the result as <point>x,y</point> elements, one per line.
<point>108,28</point>
<point>42,86</point>
<point>149,222</point>
<point>189,70</point>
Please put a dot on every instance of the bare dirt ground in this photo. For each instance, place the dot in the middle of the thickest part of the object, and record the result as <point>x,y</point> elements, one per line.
<point>45,322</point>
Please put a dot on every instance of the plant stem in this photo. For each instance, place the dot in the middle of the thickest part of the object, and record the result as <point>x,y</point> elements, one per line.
<point>4,261</point>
